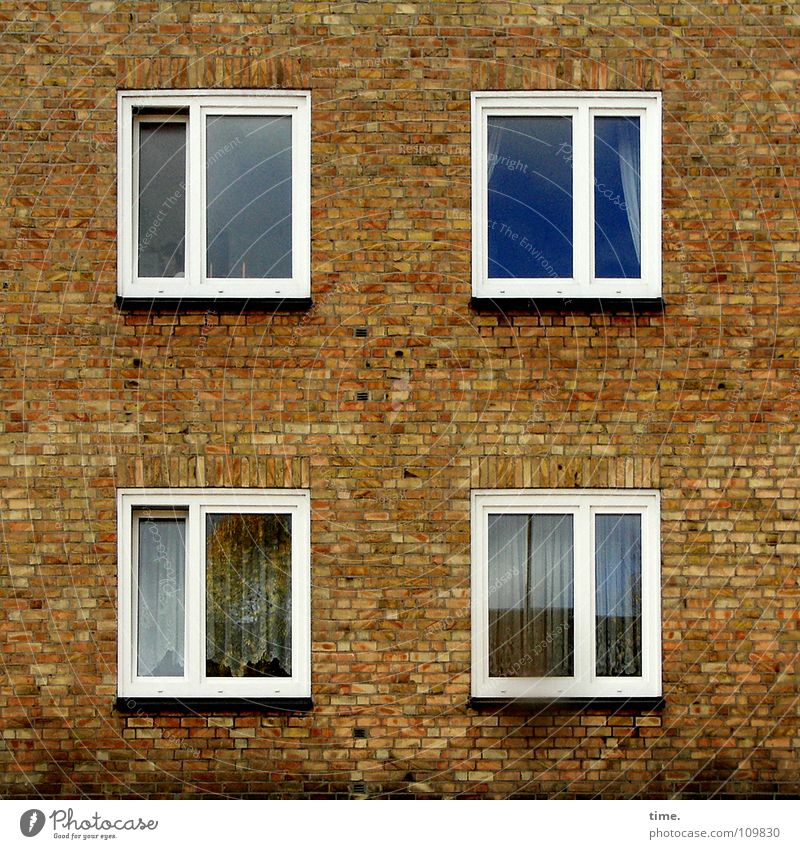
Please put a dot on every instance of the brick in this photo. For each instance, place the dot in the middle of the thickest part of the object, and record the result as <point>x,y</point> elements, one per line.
<point>698,400</point>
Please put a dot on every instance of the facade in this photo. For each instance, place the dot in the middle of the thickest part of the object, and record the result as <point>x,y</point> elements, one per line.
<point>431,439</point>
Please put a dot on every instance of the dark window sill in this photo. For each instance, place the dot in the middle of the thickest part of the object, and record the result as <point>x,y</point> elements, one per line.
<point>638,703</point>
<point>630,306</point>
<point>135,704</point>
<point>218,305</point>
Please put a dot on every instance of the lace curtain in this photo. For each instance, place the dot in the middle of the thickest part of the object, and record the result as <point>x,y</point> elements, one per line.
<point>248,595</point>
<point>160,596</point>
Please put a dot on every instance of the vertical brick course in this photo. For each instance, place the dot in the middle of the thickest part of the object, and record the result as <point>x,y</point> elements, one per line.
<point>699,401</point>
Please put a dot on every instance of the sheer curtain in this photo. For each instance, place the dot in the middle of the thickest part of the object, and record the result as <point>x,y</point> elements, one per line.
<point>630,173</point>
<point>161,596</point>
<point>248,595</point>
<point>530,595</point>
<point>494,136</point>
<point>618,569</point>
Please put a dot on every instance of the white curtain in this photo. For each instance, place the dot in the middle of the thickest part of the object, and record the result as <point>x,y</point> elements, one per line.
<point>630,172</point>
<point>248,595</point>
<point>494,136</point>
<point>530,595</point>
<point>161,595</point>
<point>618,565</point>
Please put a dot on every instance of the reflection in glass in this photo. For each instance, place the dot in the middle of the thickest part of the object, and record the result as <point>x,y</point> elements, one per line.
<point>529,175</point>
<point>618,603</point>
<point>617,197</point>
<point>162,198</point>
<point>160,582</point>
<point>249,172</point>
<point>530,595</point>
<point>248,595</point>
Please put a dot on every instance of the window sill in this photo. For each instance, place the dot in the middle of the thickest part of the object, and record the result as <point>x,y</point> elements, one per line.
<point>138,704</point>
<point>220,305</point>
<point>572,305</point>
<point>633,703</point>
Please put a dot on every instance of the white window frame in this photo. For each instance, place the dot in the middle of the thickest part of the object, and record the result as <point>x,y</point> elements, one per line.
<point>194,504</point>
<point>584,505</point>
<point>582,107</point>
<point>198,104</point>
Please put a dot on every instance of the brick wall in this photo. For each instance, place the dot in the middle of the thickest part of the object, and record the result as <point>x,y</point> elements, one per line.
<point>699,401</point>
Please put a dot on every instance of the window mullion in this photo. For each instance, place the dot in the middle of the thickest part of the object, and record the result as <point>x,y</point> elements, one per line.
<point>583,199</point>
<point>584,606</point>
<point>195,607</point>
<point>195,200</point>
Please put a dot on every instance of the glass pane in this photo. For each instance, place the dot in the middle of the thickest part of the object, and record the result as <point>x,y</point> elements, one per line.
<point>529,166</point>
<point>161,596</point>
<point>617,198</point>
<point>162,198</point>
<point>248,595</point>
<point>618,571</point>
<point>249,169</point>
<point>530,595</point>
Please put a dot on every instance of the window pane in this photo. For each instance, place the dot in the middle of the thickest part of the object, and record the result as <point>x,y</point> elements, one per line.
<point>618,565</point>
<point>529,164</point>
<point>617,197</point>
<point>162,198</point>
<point>161,597</point>
<point>248,595</point>
<point>530,595</point>
<point>249,171</point>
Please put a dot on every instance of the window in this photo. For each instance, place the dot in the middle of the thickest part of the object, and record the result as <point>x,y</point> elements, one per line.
<point>214,593</point>
<point>566,594</point>
<point>566,194</point>
<point>214,194</point>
